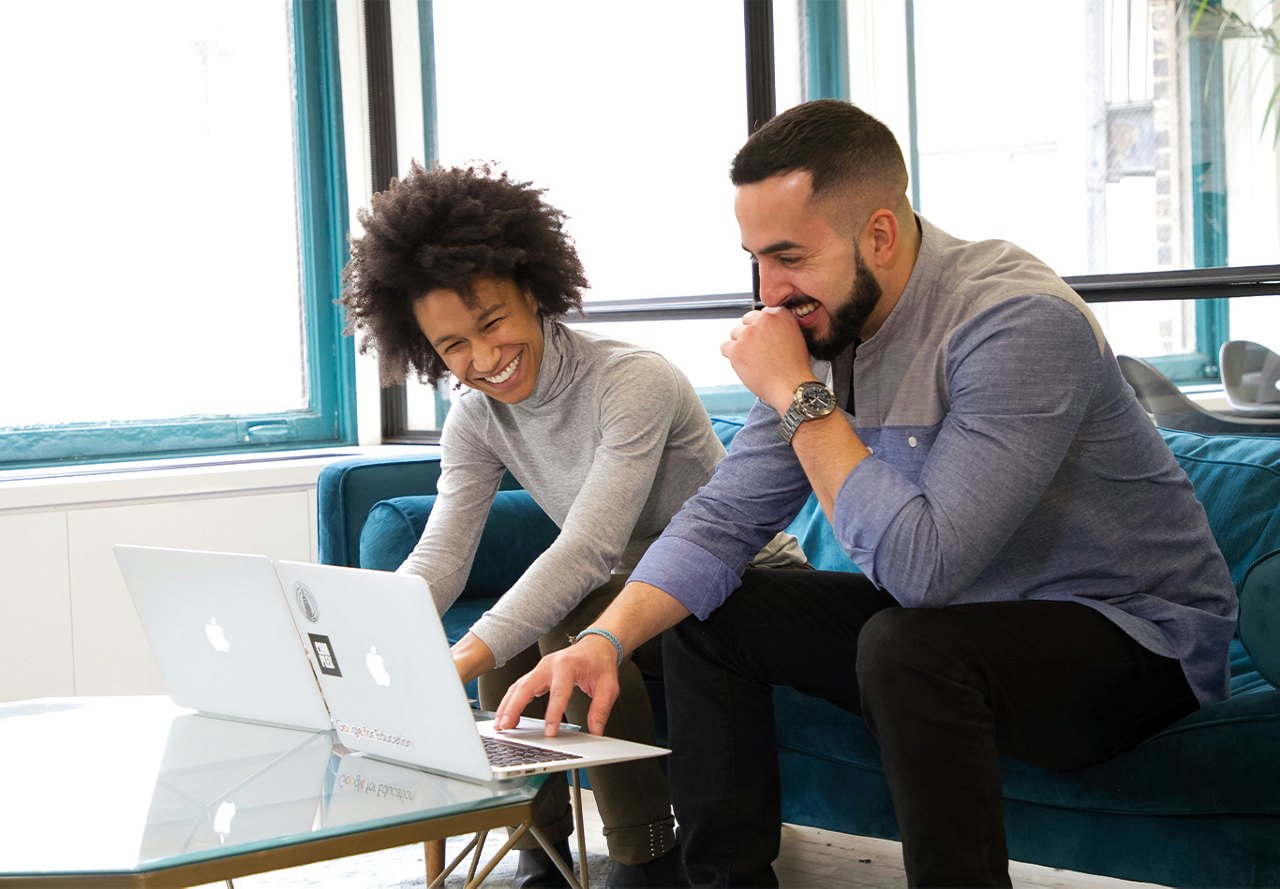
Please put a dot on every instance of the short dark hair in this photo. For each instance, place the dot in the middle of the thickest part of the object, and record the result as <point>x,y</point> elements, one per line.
<point>442,229</point>
<point>843,148</point>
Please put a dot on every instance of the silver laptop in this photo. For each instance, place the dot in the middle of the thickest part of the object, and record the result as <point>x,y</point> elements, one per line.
<point>383,661</point>
<point>223,635</point>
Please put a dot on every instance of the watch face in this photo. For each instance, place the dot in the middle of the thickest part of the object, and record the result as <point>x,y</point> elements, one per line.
<point>816,400</point>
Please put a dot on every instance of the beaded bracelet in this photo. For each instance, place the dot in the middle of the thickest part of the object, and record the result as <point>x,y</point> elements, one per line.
<point>598,631</point>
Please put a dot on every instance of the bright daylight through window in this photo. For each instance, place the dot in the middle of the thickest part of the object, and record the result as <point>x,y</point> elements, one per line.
<point>628,117</point>
<point>1103,135</point>
<point>152,228</point>
<point>1107,137</point>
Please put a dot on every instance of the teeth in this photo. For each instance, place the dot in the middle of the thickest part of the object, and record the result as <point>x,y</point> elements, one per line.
<point>804,308</point>
<point>505,373</point>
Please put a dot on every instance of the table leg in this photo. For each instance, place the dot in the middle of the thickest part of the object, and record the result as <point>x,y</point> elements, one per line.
<point>434,850</point>
<point>575,783</point>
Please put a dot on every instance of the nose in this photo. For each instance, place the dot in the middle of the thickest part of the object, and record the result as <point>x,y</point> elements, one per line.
<point>773,287</point>
<point>486,356</point>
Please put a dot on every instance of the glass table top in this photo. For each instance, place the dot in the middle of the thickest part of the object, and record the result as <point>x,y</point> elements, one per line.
<point>131,784</point>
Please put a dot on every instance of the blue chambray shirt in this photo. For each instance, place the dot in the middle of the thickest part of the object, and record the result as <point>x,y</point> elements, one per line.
<point>1010,461</point>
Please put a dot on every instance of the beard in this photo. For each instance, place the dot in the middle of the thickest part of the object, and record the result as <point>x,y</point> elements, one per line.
<point>847,321</point>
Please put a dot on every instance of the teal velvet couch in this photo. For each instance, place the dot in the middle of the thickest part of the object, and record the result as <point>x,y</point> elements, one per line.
<point>1196,805</point>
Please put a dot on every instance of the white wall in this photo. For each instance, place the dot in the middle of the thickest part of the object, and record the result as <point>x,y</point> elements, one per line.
<point>67,625</point>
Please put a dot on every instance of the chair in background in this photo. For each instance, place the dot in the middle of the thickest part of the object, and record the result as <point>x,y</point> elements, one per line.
<point>1251,377</point>
<point>1172,409</point>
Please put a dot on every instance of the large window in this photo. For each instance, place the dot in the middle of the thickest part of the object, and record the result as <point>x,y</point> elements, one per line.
<point>1131,152</point>
<point>628,115</point>
<point>173,229</point>
<point>1107,137</point>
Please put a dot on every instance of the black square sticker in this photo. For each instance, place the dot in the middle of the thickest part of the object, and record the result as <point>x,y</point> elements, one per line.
<point>325,657</point>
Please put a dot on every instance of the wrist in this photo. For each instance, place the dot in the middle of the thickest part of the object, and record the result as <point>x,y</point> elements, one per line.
<point>606,636</point>
<point>811,400</point>
<point>783,395</point>
<point>472,657</point>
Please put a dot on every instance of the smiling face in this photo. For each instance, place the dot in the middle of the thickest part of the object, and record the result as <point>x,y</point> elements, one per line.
<point>805,264</point>
<point>492,342</point>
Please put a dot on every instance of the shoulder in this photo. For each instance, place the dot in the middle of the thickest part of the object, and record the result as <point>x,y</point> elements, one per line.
<point>467,420</point>
<point>617,363</point>
<point>977,285</point>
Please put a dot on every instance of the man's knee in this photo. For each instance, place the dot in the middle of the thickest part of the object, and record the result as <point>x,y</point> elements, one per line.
<point>897,645</point>
<point>884,645</point>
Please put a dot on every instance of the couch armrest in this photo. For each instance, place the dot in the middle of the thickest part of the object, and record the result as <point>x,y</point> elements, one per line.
<point>348,489</point>
<point>515,533</point>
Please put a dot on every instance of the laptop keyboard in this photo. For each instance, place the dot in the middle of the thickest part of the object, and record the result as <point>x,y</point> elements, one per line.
<point>512,753</point>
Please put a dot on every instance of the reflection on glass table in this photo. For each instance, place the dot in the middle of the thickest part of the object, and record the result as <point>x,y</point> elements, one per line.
<point>126,788</point>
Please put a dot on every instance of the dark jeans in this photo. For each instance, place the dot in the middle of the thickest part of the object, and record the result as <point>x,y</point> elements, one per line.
<point>945,691</point>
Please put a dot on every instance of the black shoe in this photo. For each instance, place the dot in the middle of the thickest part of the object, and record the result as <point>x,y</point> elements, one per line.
<point>661,873</point>
<point>536,870</point>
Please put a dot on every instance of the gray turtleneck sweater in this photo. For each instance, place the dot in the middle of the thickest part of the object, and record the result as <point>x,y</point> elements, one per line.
<point>610,444</point>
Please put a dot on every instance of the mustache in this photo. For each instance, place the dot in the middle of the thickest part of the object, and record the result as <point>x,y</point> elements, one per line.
<point>796,301</point>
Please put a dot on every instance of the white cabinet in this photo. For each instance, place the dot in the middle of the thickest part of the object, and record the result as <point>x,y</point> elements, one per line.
<point>67,625</point>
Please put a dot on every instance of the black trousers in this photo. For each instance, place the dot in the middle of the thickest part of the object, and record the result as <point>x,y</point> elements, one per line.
<point>945,691</point>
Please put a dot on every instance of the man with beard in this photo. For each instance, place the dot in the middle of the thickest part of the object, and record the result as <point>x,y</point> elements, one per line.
<point>1037,579</point>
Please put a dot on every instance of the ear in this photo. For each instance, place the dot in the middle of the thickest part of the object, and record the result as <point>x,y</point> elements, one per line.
<point>880,237</point>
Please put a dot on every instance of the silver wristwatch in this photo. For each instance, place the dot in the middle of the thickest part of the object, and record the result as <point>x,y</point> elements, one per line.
<point>811,401</point>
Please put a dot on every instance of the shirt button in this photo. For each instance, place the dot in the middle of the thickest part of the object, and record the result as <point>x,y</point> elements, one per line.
<point>871,450</point>
<point>911,440</point>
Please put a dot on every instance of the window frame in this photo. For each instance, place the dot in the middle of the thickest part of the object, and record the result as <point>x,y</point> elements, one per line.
<point>329,417</point>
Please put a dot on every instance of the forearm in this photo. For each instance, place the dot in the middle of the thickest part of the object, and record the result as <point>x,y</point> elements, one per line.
<point>828,449</point>
<point>472,657</point>
<point>640,612</point>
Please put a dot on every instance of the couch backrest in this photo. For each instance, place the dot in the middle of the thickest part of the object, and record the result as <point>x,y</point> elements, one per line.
<point>1237,480</point>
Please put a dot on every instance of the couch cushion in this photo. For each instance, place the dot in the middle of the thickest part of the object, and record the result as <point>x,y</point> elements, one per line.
<point>1180,771</point>
<point>1260,615</point>
<point>515,533</point>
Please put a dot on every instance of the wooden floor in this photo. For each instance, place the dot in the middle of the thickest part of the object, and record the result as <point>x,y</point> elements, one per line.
<point>819,858</point>
<point>822,859</point>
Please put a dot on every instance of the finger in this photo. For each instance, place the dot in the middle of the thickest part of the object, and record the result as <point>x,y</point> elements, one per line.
<point>518,696</point>
<point>556,702</point>
<point>606,693</point>
<point>750,316</point>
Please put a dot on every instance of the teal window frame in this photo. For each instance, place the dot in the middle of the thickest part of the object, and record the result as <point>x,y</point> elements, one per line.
<point>329,417</point>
